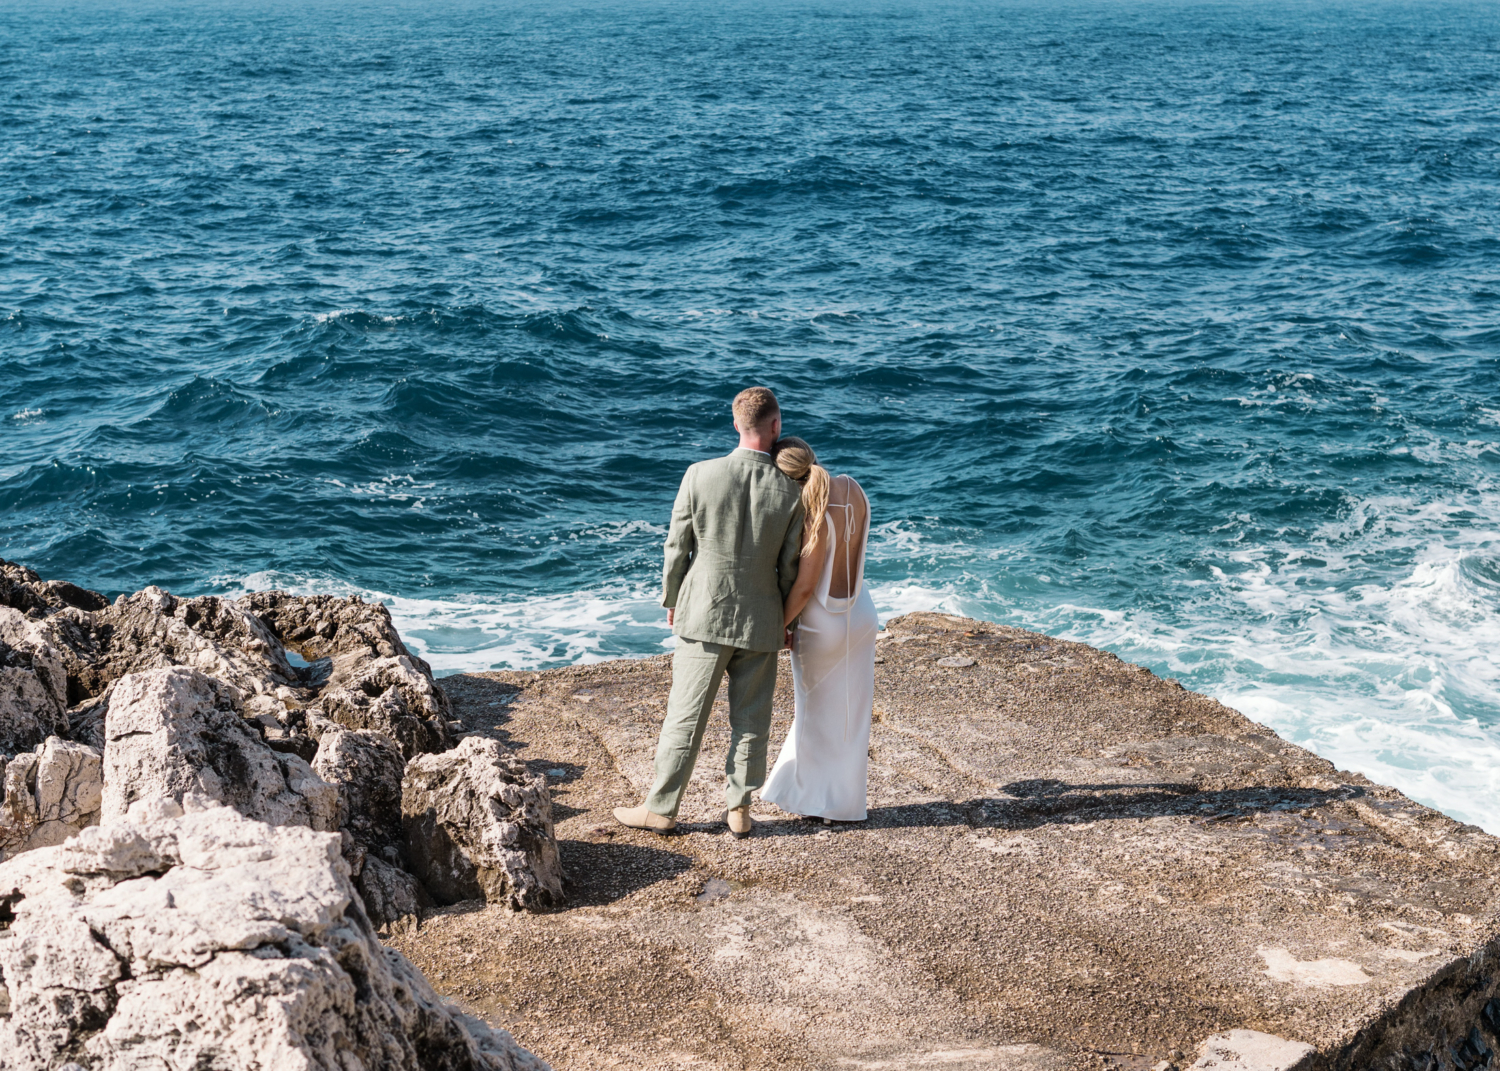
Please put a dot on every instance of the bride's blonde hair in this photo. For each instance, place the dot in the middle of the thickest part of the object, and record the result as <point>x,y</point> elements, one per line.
<point>796,460</point>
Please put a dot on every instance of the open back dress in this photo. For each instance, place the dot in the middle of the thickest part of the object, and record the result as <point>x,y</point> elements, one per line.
<point>824,765</point>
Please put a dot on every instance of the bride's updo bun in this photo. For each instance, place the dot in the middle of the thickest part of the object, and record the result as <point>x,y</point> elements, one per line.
<point>797,461</point>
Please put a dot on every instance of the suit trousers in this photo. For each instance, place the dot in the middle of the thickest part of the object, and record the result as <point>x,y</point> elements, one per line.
<point>697,669</point>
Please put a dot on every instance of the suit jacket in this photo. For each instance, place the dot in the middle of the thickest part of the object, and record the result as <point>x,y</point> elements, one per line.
<point>732,551</point>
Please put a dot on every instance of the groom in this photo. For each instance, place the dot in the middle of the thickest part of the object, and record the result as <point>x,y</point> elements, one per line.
<point>732,555</point>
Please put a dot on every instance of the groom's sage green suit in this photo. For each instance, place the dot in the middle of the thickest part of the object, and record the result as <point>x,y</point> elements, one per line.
<point>732,555</point>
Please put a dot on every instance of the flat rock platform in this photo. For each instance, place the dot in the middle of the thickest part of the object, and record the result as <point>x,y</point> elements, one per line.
<point>1069,863</point>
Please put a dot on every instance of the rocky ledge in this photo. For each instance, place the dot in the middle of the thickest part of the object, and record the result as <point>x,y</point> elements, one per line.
<point>1069,863</point>
<point>210,809</point>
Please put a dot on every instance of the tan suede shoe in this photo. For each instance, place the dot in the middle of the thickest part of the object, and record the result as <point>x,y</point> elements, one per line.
<point>640,818</point>
<point>739,821</point>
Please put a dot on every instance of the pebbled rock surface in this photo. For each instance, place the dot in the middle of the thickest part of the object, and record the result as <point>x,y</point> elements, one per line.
<point>1069,863</point>
<point>170,732</point>
<point>33,683</point>
<point>479,826</point>
<point>50,794</point>
<point>207,940</point>
<point>369,679</point>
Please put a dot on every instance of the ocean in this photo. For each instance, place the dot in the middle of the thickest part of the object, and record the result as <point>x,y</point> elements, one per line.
<point>1173,328</point>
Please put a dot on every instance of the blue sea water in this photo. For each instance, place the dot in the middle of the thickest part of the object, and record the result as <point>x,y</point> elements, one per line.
<point>1169,327</point>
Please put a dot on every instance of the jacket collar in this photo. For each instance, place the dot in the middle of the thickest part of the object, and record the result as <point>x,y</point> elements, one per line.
<point>751,455</point>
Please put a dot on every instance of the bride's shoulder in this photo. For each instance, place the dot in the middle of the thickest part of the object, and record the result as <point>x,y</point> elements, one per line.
<point>846,482</point>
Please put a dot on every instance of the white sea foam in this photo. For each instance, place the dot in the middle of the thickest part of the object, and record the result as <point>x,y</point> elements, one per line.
<point>1391,676</point>
<point>343,314</point>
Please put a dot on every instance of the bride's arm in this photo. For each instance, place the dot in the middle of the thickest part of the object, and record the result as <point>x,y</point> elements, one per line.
<point>809,572</point>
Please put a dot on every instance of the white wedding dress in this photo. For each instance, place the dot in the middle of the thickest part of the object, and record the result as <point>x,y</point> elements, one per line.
<point>823,766</point>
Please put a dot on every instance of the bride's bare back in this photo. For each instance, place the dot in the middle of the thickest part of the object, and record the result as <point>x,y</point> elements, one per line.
<point>849,511</point>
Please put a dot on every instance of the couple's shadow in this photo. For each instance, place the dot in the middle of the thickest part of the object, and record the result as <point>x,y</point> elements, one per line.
<point>1037,803</point>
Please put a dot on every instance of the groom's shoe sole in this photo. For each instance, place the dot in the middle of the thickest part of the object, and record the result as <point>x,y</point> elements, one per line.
<point>732,831</point>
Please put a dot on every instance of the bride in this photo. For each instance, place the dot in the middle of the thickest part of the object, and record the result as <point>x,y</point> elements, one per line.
<point>821,771</point>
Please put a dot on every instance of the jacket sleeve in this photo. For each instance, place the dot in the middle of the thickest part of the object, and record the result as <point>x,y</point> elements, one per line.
<point>682,542</point>
<point>791,553</point>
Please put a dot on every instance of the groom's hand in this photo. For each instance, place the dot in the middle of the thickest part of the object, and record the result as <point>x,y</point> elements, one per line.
<point>671,616</point>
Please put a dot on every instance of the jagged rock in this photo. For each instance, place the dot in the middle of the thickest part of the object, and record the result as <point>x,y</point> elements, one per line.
<point>33,684</point>
<point>478,825</point>
<point>364,678</point>
<point>207,940</point>
<point>326,626</point>
<point>23,590</point>
<point>50,794</point>
<point>366,767</point>
<point>393,898</point>
<point>153,629</point>
<point>392,696</point>
<point>172,731</point>
<point>369,679</point>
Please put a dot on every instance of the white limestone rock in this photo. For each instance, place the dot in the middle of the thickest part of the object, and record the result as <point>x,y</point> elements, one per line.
<point>479,825</point>
<point>369,679</point>
<point>1251,1050</point>
<point>153,629</point>
<point>327,626</point>
<point>390,695</point>
<point>366,769</point>
<point>33,684</point>
<point>203,939</point>
<point>172,731</point>
<point>50,794</point>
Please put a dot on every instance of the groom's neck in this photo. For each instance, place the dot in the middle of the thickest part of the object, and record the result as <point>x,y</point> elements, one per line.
<point>763,443</point>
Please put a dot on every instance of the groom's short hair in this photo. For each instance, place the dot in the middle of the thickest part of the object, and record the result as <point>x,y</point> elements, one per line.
<point>753,406</point>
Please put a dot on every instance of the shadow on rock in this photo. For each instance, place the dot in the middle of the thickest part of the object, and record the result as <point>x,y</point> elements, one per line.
<point>556,773</point>
<point>1038,803</point>
<point>603,872</point>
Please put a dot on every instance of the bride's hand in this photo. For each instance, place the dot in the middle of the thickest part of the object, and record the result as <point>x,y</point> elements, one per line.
<point>791,634</point>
